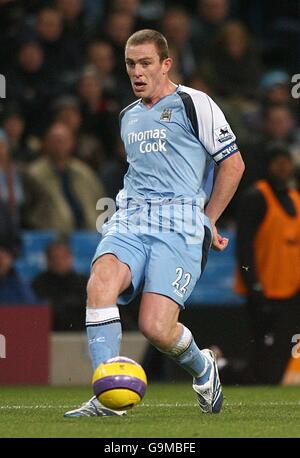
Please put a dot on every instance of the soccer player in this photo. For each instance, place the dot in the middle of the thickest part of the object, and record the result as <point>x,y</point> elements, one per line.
<point>157,241</point>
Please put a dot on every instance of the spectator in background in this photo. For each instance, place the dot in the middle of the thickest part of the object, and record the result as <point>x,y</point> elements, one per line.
<point>9,230</point>
<point>113,172</point>
<point>14,125</point>
<point>61,191</point>
<point>117,29</point>
<point>66,111</point>
<point>278,125</point>
<point>94,12</point>
<point>12,19</point>
<point>234,63</point>
<point>75,29</point>
<point>63,288</point>
<point>12,289</point>
<point>268,252</point>
<point>11,187</point>
<point>211,16</point>
<point>89,149</point>
<point>100,55</point>
<point>176,28</point>
<point>282,34</point>
<point>64,56</point>
<point>73,15</point>
<point>49,29</point>
<point>11,199</point>
<point>147,13</point>
<point>99,113</point>
<point>130,7</point>
<point>275,87</point>
<point>30,85</point>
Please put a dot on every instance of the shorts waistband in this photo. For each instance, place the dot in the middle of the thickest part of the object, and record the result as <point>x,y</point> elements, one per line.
<point>139,202</point>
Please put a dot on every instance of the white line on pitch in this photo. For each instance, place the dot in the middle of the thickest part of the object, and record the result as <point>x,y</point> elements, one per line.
<point>177,404</point>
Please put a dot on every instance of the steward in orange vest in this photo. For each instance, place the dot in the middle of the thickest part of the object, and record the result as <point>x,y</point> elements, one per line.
<point>268,253</point>
<point>276,246</point>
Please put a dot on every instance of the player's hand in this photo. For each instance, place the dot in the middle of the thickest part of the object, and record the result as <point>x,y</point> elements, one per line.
<point>219,243</point>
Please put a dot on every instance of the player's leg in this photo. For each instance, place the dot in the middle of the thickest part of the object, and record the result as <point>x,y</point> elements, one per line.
<point>176,262</point>
<point>158,320</point>
<point>109,278</point>
<point>117,272</point>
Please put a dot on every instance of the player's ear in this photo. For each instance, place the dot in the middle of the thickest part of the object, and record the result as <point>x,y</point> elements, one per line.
<point>167,64</point>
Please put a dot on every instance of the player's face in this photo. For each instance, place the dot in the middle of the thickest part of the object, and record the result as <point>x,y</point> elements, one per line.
<point>147,73</point>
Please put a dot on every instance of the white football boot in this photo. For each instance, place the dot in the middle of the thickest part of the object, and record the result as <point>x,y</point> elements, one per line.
<point>210,396</point>
<point>93,408</point>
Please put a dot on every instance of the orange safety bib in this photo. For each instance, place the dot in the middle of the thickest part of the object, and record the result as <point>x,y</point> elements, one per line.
<point>277,248</point>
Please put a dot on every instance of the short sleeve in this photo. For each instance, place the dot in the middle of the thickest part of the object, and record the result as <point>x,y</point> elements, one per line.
<point>214,132</point>
<point>211,126</point>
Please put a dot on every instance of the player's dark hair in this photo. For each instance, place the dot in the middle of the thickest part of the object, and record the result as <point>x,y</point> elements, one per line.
<point>150,36</point>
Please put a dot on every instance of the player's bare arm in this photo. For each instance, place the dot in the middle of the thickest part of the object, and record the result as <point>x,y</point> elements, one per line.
<point>228,176</point>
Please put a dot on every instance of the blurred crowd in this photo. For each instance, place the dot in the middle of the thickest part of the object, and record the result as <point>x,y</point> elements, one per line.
<point>63,61</point>
<point>66,83</point>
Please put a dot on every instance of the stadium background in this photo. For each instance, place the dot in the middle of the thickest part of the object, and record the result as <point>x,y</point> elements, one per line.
<point>65,85</point>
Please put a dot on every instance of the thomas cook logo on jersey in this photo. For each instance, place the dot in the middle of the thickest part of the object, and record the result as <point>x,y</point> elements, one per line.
<point>166,115</point>
<point>223,134</point>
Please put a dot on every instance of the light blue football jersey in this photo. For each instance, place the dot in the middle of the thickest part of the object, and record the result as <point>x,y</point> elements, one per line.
<point>160,230</point>
<point>172,146</point>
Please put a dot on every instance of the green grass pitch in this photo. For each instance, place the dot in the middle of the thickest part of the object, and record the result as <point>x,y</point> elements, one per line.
<point>167,411</point>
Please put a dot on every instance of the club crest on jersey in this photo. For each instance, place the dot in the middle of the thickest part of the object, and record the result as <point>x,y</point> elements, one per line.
<point>223,134</point>
<point>166,114</point>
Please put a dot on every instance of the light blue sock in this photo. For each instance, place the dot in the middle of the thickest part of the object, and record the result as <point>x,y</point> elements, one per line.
<point>186,353</point>
<point>104,333</point>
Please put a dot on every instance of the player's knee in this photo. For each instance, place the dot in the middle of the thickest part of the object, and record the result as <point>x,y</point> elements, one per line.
<point>101,289</point>
<point>156,333</point>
